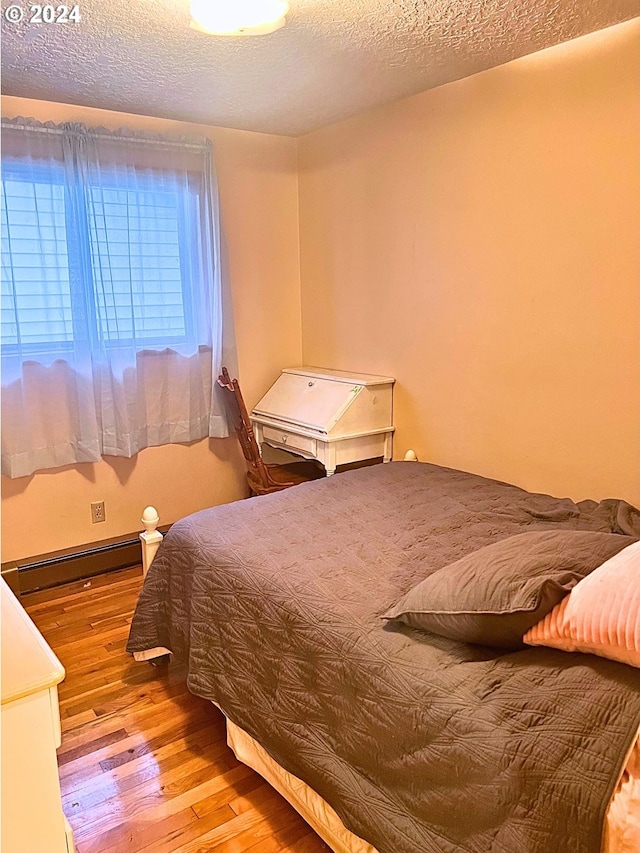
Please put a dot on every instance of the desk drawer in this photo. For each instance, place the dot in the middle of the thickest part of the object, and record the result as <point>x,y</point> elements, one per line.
<point>289,441</point>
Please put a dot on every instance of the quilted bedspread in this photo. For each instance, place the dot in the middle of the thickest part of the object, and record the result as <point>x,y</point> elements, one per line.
<point>421,744</point>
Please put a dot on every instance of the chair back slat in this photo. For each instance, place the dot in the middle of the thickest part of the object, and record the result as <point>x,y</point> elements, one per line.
<point>239,417</point>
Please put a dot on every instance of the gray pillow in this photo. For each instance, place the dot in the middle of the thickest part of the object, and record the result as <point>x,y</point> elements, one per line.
<point>494,595</point>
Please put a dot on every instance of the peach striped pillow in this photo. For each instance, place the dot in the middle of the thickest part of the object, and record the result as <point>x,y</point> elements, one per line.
<point>601,614</point>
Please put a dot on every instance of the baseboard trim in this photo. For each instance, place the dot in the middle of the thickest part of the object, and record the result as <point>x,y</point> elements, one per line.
<point>61,567</point>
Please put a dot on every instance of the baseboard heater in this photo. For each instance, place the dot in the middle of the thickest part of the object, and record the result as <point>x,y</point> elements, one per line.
<point>61,567</point>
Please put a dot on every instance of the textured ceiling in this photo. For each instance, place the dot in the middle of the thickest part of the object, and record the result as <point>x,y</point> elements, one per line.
<point>333,59</point>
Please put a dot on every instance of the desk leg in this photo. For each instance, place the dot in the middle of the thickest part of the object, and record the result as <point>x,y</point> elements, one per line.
<point>257,431</point>
<point>388,447</point>
<point>330,460</point>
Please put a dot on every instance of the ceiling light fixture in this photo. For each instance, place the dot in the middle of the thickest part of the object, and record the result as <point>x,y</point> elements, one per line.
<point>238,17</point>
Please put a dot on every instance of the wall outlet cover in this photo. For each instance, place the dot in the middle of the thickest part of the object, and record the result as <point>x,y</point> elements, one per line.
<point>97,512</point>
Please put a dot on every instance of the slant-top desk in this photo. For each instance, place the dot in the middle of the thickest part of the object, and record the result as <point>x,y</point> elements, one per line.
<point>329,415</point>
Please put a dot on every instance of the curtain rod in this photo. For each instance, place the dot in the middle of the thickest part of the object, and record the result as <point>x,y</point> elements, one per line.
<point>58,131</point>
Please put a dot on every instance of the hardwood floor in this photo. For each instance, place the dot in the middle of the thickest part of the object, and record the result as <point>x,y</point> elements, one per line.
<point>144,765</point>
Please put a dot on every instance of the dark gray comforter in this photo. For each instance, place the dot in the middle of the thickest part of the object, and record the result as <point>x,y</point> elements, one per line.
<point>421,744</point>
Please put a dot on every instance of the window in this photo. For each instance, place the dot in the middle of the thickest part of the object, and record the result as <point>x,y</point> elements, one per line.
<point>36,303</point>
<point>141,269</point>
<point>114,319</point>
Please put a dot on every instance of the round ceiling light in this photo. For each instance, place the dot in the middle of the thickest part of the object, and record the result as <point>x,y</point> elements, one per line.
<point>238,17</point>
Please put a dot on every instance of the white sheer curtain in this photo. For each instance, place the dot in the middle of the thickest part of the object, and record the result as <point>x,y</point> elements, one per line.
<point>116,315</point>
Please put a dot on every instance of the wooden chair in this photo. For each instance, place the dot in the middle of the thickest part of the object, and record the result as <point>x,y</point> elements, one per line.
<point>263,478</point>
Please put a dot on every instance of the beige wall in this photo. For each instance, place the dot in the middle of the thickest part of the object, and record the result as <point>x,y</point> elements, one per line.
<point>479,242</point>
<point>257,175</point>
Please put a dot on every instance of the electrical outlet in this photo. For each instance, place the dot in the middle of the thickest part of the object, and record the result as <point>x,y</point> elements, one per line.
<point>97,512</point>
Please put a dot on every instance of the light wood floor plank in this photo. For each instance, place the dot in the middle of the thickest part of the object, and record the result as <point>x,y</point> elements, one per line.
<point>119,811</point>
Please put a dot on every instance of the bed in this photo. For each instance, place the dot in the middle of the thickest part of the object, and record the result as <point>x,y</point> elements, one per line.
<point>412,741</point>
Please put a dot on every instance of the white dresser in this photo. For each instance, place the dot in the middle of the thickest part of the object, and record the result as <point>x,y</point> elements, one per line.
<point>32,817</point>
<point>333,416</point>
